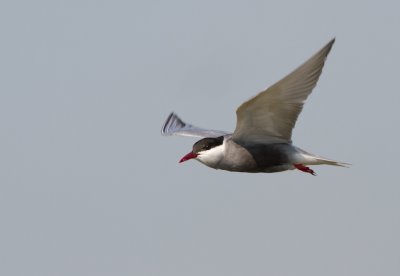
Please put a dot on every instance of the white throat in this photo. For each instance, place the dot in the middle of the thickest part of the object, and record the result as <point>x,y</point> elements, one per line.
<point>212,157</point>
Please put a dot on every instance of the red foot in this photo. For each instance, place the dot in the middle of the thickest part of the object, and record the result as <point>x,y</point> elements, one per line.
<point>303,168</point>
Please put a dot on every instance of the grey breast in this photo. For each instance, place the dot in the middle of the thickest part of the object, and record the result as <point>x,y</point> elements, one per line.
<point>257,157</point>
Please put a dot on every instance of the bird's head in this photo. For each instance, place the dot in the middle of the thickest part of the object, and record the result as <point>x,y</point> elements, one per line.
<point>205,149</point>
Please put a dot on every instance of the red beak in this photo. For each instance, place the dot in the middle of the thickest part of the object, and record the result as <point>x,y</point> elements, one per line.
<point>188,156</point>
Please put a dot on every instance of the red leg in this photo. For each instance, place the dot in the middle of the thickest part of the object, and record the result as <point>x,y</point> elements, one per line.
<point>303,168</point>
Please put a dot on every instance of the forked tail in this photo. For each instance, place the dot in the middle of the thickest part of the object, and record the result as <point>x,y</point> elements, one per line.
<point>316,160</point>
<point>324,161</point>
<point>307,158</point>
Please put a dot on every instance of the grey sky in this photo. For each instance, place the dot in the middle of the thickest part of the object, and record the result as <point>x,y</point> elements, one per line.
<point>89,187</point>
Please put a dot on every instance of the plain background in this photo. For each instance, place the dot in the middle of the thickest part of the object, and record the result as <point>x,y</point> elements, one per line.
<point>89,187</point>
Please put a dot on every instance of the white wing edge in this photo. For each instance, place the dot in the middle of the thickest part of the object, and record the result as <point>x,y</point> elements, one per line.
<point>175,126</point>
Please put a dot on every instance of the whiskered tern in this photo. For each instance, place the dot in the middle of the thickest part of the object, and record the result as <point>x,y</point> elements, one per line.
<point>262,140</point>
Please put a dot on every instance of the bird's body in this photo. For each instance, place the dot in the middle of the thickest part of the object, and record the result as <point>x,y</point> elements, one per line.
<point>261,141</point>
<point>258,157</point>
<point>232,156</point>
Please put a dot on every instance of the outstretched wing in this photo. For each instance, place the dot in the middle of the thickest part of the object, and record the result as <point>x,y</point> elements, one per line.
<point>175,126</point>
<point>271,115</point>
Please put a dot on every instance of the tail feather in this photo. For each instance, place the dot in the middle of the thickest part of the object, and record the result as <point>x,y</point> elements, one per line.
<point>321,161</point>
<point>311,159</point>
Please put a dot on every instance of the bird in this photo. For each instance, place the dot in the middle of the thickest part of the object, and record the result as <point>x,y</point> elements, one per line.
<point>262,139</point>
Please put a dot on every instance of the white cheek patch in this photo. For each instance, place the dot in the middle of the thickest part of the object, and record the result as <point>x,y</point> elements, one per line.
<point>213,155</point>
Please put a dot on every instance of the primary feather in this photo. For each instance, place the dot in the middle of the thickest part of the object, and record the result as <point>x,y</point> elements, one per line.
<point>271,115</point>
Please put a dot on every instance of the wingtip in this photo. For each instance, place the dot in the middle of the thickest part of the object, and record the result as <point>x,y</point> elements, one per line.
<point>171,121</point>
<point>166,124</point>
<point>326,49</point>
<point>332,41</point>
<point>345,165</point>
<point>329,45</point>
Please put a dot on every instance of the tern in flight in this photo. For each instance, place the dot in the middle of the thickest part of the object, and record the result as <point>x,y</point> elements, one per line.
<point>262,140</point>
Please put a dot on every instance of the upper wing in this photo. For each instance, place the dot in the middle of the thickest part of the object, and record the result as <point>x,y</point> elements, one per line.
<point>271,115</point>
<point>175,126</point>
